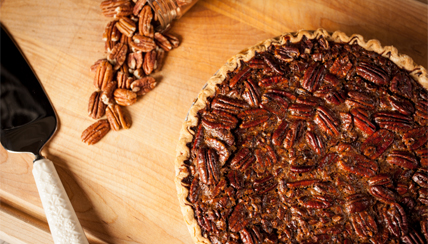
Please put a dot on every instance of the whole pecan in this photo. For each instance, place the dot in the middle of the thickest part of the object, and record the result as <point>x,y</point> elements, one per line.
<point>104,75</point>
<point>96,108</point>
<point>124,97</point>
<point>150,62</point>
<point>143,86</point>
<point>95,132</point>
<point>377,143</point>
<point>117,118</point>
<point>142,43</point>
<point>402,158</point>
<point>372,73</point>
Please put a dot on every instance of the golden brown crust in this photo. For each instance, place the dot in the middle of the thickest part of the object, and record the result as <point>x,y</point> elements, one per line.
<point>419,73</point>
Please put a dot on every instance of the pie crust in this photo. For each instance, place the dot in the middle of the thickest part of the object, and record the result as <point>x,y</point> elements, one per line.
<point>418,73</point>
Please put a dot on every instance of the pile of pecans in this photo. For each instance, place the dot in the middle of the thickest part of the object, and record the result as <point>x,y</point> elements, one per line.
<point>134,51</point>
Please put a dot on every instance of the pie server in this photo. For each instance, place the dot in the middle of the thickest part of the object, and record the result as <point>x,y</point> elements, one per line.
<point>28,121</point>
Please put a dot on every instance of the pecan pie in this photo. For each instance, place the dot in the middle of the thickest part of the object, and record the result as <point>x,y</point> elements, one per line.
<point>309,137</point>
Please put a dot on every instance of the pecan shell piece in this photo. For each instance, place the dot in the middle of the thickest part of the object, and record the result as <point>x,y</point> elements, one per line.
<point>95,132</point>
<point>117,117</point>
<point>96,107</point>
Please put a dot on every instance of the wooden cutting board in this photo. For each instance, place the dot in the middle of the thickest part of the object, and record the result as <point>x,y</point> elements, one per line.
<point>122,188</point>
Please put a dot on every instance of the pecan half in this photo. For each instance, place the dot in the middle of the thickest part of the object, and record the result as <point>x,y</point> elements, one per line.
<point>265,156</point>
<point>144,24</point>
<point>124,81</point>
<point>401,84</point>
<point>315,142</point>
<point>116,8</point>
<point>95,132</point>
<point>142,43</point>
<point>357,164</point>
<point>421,178</point>
<point>313,76</point>
<point>126,26</point>
<point>357,203</point>
<point>96,108</point>
<point>239,76</point>
<point>275,101</point>
<point>111,35</point>
<point>422,109</point>
<point>104,75</point>
<point>377,143</point>
<point>362,122</point>
<point>229,105</point>
<point>416,138</point>
<point>150,62</point>
<point>402,158</point>
<point>372,73</point>
<point>364,224</point>
<point>280,133</point>
<point>107,95</point>
<point>341,67</point>
<point>272,80</point>
<point>236,179</point>
<point>220,148</point>
<point>217,119</point>
<point>175,42</point>
<point>194,190</point>
<point>316,202</point>
<point>253,117</point>
<point>135,60</point>
<point>271,62</point>
<point>287,53</point>
<point>380,180</point>
<point>124,97</point>
<point>143,86</point>
<point>238,219</point>
<point>402,105</point>
<point>251,94</point>
<point>396,220</point>
<point>243,159</point>
<point>163,42</point>
<point>264,184</point>
<point>301,111</point>
<point>117,118</point>
<point>360,100</point>
<point>208,167</point>
<point>382,194</point>
<point>118,55</point>
<point>393,121</point>
<point>326,122</point>
<point>293,134</point>
<point>251,236</point>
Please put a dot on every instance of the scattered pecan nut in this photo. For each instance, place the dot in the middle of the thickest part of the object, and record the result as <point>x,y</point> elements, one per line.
<point>117,117</point>
<point>96,107</point>
<point>95,132</point>
<point>124,97</point>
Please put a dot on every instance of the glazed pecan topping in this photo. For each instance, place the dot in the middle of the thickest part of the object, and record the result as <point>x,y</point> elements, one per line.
<point>312,142</point>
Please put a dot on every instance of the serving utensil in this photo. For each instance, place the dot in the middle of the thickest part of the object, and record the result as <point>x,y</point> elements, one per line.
<point>28,121</point>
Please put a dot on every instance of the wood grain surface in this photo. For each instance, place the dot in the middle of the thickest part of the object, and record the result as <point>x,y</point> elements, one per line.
<point>122,188</point>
